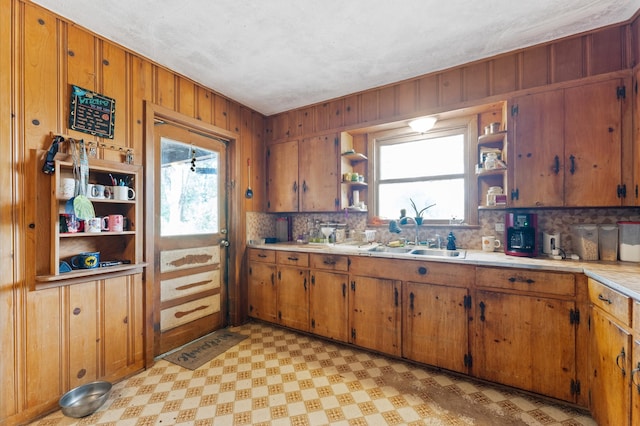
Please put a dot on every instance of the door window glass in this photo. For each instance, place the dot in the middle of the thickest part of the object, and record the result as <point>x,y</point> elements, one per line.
<point>188,189</point>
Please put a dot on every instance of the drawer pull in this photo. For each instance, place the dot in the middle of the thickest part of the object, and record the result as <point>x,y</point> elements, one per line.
<point>422,270</point>
<point>604,299</point>
<point>411,298</point>
<point>395,296</point>
<point>293,259</point>
<point>262,255</point>
<point>521,280</point>
<point>482,308</point>
<point>329,262</point>
<point>344,290</point>
<point>633,377</point>
<point>622,355</point>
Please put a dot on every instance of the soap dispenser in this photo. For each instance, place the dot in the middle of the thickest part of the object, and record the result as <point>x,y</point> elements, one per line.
<point>451,241</point>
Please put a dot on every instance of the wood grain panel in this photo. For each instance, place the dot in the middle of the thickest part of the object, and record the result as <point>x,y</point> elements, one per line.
<point>141,90</point>
<point>41,91</point>
<point>165,88</point>
<point>114,74</point>
<point>186,97</point>
<point>428,93</point>
<point>136,334</point>
<point>81,58</point>
<point>504,74</point>
<point>406,97</point>
<point>335,118</point>
<point>83,333</point>
<point>175,260</point>
<point>476,81</point>
<point>451,87</point>
<point>190,311</point>
<point>351,110</point>
<point>188,285</point>
<point>117,316</point>
<point>233,112</point>
<point>305,122</point>
<point>220,111</point>
<point>606,51</point>
<point>369,106</point>
<point>535,67</point>
<point>567,60</point>
<point>387,102</point>
<point>204,105</point>
<point>44,336</point>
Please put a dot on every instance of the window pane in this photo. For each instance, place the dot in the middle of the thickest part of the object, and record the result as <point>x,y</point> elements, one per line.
<point>424,157</point>
<point>188,195</point>
<point>448,195</point>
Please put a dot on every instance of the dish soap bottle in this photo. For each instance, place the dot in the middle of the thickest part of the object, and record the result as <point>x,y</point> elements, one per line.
<point>451,241</point>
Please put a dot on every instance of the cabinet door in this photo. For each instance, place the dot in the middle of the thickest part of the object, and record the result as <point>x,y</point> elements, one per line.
<point>375,314</point>
<point>329,319</point>
<point>83,333</point>
<point>525,342</point>
<point>319,179</point>
<point>293,297</point>
<point>538,150</point>
<point>262,291</point>
<point>593,144</point>
<point>610,366</point>
<point>635,382</point>
<point>282,185</point>
<point>435,329</point>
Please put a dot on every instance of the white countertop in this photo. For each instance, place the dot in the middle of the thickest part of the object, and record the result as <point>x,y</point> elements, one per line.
<point>621,276</point>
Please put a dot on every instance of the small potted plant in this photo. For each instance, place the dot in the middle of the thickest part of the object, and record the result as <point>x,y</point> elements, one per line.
<point>418,216</point>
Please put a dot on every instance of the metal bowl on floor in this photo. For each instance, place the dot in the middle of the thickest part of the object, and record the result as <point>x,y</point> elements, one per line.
<point>85,400</point>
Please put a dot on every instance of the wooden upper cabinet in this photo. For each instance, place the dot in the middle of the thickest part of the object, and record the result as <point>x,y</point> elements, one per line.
<point>282,169</point>
<point>303,175</point>
<point>318,173</point>
<point>569,147</point>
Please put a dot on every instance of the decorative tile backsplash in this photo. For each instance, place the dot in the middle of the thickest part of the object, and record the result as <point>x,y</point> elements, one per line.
<point>261,225</point>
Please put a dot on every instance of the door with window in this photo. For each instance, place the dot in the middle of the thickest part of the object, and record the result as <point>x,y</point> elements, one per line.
<point>190,235</point>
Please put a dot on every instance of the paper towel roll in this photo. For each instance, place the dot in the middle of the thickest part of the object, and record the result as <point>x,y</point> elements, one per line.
<point>356,198</point>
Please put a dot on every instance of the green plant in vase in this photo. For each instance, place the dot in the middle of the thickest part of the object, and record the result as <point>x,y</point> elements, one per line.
<point>419,212</point>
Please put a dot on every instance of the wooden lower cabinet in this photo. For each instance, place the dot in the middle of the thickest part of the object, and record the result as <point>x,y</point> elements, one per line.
<point>525,341</point>
<point>374,314</point>
<point>328,305</point>
<point>436,325</point>
<point>292,295</point>
<point>635,380</point>
<point>262,291</point>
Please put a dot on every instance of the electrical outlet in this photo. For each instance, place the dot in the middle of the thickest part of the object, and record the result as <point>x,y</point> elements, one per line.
<point>499,227</point>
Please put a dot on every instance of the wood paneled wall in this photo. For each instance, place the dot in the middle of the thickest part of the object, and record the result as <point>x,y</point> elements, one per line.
<point>41,55</point>
<point>606,50</point>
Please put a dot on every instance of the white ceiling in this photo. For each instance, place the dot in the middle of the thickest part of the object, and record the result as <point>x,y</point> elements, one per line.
<point>278,55</point>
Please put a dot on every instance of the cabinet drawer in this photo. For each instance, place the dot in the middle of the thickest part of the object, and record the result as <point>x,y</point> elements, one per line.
<point>292,258</point>
<point>561,284</point>
<point>329,261</point>
<point>413,270</point>
<point>610,301</point>
<point>261,255</point>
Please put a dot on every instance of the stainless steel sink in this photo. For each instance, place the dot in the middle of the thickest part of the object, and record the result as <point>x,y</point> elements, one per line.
<point>459,254</point>
<point>385,249</point>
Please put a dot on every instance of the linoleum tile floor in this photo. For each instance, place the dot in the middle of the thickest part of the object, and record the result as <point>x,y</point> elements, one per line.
<point>279,377</point>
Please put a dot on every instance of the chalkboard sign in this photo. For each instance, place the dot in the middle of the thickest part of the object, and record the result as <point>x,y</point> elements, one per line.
<point>92,112</point>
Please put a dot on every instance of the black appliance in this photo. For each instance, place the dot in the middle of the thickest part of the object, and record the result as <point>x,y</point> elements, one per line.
<point>520,234</point>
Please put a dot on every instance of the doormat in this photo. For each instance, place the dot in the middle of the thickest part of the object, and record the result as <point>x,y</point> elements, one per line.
<point>206,348</point>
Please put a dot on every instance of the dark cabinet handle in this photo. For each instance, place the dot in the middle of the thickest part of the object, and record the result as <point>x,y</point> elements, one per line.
<point>556,165</point>
<point>295,186</point>
<point>293,258</point>
<point>329,262</point>
<point>305,284</point>
<point>521,280</point>
<point>273,281</point>
<point>411,298</point>
<point>573,164</point>
<point>344,290</point>
<point>621,356</point>
<point>634,372</point>
<point>262,255</point>
<point>482,308</point>
<point>304,186</point>
<point>604,299</point>
<point>395,295</point>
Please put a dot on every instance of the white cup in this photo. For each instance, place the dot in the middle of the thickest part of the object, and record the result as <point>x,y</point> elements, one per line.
<point>67,188</point>
<point>95,224</point>
<point>123,193</point>
<point>95,191</point>
<point>489,243</point>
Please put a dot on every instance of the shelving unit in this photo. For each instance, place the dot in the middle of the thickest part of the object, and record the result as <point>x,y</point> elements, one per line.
<point>494,177</point>
<point>123,246</point>
<point>349,159</point>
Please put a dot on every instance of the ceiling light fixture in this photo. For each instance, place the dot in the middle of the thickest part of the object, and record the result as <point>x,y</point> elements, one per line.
<point>422,125</point>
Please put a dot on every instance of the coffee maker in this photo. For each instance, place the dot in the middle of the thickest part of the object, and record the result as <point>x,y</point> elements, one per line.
<point>520,234</point>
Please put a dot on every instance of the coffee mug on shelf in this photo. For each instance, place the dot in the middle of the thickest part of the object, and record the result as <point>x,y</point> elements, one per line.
<point>115,222</point>
<point>69,223</point>
<point>123,193</point>
<point>86,260</point>
<point>95,190</point>
<point>108,192</point>
<point>489,243</point>
<point>95,224</point>
<point>67,188</point>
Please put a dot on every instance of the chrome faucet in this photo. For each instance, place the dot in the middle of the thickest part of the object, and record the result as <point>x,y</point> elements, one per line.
<point>394,227</point>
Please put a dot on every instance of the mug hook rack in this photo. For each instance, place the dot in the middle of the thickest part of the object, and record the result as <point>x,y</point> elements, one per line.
<point>92,147</point>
